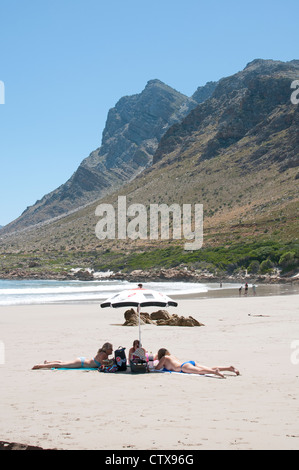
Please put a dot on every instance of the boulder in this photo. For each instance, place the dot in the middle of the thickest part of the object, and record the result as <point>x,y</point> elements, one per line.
<point>83,275</point>
<point>146,318</point>
<point>16,446</point>
<point>176,320</point>
<point>161,317</point>
<point>131,318</point>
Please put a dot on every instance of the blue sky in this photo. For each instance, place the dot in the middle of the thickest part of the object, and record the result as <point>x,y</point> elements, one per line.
<point>65,63</point>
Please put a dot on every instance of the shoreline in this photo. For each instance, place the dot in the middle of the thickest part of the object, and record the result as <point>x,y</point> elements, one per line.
<point>163,275</point>
<point>261,290</point>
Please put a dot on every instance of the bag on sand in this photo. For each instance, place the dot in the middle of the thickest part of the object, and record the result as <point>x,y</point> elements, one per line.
<point>120,358</point>
<point>139,366</point>
<point>108,368</point>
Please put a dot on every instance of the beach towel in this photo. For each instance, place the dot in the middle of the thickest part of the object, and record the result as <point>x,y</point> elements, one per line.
<point>184,373</point>
<point>108,369</point>
<point>75,368</point>
<point>88,369</point>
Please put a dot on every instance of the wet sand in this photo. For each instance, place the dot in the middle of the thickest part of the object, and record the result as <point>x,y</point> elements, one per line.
<point>230,292</point>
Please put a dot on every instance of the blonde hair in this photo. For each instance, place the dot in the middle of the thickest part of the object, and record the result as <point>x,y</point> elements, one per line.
<point>105,347</point>
<point>163,352</point>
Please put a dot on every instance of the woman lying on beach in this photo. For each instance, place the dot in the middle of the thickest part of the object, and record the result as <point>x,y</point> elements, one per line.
<point>101,358</point>
<point>171,363</point>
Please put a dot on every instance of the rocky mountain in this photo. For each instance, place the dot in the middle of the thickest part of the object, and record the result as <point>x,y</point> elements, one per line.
<point>236,153</point>
<point>254,99</point>
<point>131,136</point>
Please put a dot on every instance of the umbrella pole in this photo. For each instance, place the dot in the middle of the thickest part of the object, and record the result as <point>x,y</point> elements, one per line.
<point>138,310</point>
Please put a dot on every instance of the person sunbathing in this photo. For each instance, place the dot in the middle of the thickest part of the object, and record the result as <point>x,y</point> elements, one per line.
<point>137,351</point>
<point>101,358</point>
<point>171,363</point>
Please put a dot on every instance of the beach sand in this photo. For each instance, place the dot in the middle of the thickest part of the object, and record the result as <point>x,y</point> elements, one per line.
<point>78,409</point>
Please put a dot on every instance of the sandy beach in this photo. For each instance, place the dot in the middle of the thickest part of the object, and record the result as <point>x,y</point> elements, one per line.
<point>78,409</point>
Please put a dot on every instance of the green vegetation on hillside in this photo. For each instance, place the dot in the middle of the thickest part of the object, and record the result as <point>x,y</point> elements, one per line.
<point>256,258</point>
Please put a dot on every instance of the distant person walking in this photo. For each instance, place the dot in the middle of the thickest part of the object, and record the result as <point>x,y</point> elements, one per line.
<point>246,289</point>
<point>254,289</point>
<point>240,291</point>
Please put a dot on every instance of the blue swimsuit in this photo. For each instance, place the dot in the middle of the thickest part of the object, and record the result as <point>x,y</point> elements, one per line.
<point>97,362</point>
<point>188,362</point>
<point>82,359</point>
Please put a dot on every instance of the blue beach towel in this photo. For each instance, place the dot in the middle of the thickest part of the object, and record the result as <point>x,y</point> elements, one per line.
<point>75,368</point>
<point>184,373</point>
<point>87,369</point>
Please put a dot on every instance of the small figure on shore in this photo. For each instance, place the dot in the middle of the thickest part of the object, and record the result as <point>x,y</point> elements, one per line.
<point>254,289</point>
<point>171,363</point>
<point>246,288</point>
<point>240,291</point>
<point>101,358</point>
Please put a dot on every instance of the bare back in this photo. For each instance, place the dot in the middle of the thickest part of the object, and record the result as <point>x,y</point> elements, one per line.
<point>101,357</point>
<point>169,363</point>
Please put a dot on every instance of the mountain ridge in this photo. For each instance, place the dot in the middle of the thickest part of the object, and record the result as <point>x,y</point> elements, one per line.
<point>236,153</point>
<point>130,137</point>
<point>232,90</point>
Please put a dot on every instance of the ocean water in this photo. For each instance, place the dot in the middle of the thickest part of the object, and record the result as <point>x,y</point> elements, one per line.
<point>27,292</point>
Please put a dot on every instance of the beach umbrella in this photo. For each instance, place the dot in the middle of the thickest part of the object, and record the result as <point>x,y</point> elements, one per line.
<point>139,297</point>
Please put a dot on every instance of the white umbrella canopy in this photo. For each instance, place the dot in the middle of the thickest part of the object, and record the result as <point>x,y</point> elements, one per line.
<point>139,297</point>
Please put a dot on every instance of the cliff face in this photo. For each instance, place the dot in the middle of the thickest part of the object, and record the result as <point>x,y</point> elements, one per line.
<point>255,101</point>
<point>131,136</point>
<point>236,153</point>
<point>134,128</point>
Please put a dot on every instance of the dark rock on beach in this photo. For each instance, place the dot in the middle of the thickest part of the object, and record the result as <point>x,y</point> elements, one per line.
<point>160,317</point>
<point>131,318</point>
<point>16,446</point>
